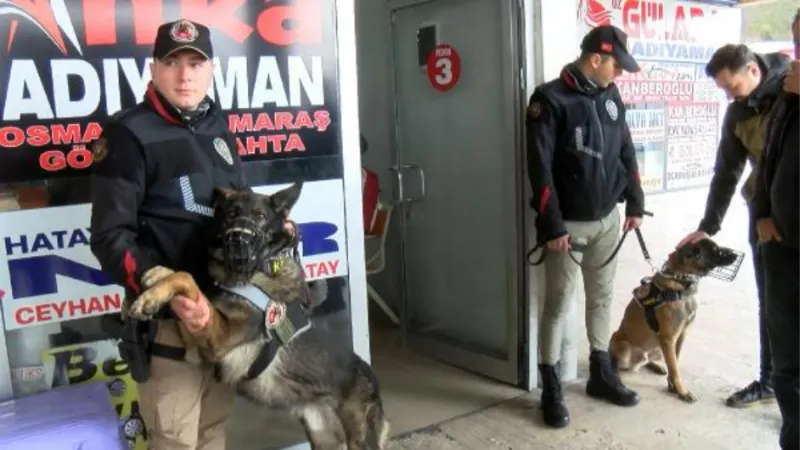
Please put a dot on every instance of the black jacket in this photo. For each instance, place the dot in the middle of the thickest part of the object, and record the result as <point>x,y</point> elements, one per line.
<point>581,159</point>
<point>743,131</point>
<point>153,187</point>
<point>777,188</point>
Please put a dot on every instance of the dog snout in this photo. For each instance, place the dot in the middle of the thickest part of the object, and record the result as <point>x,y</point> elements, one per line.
<point>725,257</point>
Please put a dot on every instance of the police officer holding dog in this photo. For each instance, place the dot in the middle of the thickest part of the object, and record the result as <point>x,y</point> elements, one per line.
<point>155,169</point>
<point>581,164</point>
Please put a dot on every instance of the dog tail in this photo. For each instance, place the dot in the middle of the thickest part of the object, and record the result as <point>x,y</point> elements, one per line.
<point>377,425</point>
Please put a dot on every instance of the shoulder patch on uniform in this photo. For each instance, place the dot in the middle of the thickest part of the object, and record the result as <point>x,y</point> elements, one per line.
<point>99,149</point>
<point>535,110</point>
<point>222,149</point>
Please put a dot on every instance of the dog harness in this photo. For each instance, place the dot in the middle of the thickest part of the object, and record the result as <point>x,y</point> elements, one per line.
<point>279,324</point>
<point>650,296</point>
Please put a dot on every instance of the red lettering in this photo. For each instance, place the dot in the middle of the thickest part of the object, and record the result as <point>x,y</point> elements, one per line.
<point>321,269</point>
<point>66,135</point>
<point>263,122</point>
<point>11,137</point>
<point>100,22</point>
<point>38,135</point>
<point>304,120</point>
<point>43,313</point>
<point>322,119</point>
<point>294,143</point>
<point>283,120</point>
<point>638,18</point>
<point>67,309</point>
<point>220,15</point>
<point>256,144</point>
<point>147,16</point>
<point>240,124</point>
<point>24,315</point>
<point>52,160</point>
<point>304,18</point>
<point>79,157</point>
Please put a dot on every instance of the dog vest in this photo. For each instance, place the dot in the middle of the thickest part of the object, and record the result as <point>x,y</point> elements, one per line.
<point>280,323</point>
<point>650,297</point>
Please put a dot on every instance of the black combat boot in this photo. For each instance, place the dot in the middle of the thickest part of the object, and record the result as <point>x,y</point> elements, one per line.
<point>604,381</point>
<point>553,409</point>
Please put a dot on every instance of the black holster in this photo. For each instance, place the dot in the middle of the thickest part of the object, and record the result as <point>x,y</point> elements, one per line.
<point>136,339</point>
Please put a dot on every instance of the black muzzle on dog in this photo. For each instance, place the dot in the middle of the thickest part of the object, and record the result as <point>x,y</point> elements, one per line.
<point>242,244</point>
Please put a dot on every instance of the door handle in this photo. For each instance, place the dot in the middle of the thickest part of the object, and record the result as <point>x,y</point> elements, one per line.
<point>399,170</point>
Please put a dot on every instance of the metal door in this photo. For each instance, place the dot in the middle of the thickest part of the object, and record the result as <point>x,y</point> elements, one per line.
<point>458,185</point>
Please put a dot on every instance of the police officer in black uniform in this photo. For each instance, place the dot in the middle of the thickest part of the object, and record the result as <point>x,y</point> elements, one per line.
<point>582,163</point>
<point>155,169</point>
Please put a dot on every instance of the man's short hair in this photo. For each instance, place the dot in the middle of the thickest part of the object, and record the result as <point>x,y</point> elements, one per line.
<point>733,57</point>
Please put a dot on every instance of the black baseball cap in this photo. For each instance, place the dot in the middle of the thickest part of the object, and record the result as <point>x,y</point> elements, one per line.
<point>610,40</point>
<point>182,35</point>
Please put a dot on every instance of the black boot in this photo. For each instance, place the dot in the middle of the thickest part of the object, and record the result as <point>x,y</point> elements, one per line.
<point>553,409</point>
<point>604,381</point>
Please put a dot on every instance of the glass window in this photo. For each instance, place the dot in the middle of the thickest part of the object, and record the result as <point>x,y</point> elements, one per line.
<point>53,314</point>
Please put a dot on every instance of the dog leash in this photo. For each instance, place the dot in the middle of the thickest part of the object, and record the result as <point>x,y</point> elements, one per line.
<point>581,248</point>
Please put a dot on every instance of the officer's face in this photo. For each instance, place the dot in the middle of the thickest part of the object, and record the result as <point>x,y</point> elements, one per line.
<point>740,84</point>
<point>606,70</point>
<point>183,78</point>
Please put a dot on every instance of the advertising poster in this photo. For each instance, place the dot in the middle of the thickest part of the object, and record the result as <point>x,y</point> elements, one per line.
<point>48,273</point>
<point>68,66</point>
<point>692,132</point>
<point>648,130</point>
<point>672,41</point>
<point>99,361</point>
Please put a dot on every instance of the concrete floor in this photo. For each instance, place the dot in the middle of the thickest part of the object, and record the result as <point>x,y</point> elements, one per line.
<point>720,355</point>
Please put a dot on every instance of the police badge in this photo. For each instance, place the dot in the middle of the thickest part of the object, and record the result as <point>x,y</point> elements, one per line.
<point>183,32</point>
<point>99,150</point>
<point>611,107</point>
<point>222,148</point>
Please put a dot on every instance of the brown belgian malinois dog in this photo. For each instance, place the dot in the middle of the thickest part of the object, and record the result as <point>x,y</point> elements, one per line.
<point>253,338</point>
<point>663,307</point>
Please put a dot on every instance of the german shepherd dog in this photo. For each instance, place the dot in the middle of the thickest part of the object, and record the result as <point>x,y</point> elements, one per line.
<point>663,307</point>
<point>331,390</point>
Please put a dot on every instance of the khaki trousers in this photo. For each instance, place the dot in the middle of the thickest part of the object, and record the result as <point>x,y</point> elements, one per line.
<point>561,272</point>
<point>182,405</point>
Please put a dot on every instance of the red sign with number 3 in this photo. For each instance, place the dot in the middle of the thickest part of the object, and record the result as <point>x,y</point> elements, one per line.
<point>444,67</point>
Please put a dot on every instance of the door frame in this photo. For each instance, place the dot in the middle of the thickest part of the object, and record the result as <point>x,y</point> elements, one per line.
<point>513,369</point>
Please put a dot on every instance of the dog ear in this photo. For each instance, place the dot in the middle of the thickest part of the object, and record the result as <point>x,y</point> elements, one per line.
<point>284,200</point>
<point>222,194</point>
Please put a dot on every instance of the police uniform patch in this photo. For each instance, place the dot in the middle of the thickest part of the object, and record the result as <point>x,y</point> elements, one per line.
<point>222,148</point>
<point>275,314</point>
<point>183,32</point>
<point>99,149</point>
<point>612,109</point>
<point>535,110</point>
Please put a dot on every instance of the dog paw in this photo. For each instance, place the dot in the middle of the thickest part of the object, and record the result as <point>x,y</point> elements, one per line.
<point>687,397</point>
<point>144,308</point>
<point>154,275</point>
<point>656,368</point>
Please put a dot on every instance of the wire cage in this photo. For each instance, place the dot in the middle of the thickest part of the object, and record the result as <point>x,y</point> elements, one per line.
<point>729,272</point>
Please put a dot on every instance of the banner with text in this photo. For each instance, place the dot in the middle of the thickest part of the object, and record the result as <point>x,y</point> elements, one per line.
<point>672,41</point>
<point>49,274</point>
<point>65,70</point>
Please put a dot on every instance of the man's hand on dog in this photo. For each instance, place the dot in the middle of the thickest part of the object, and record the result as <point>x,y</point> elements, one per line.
<point>767,231</point>
<point>692,237</point>
<point>194,314</point>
